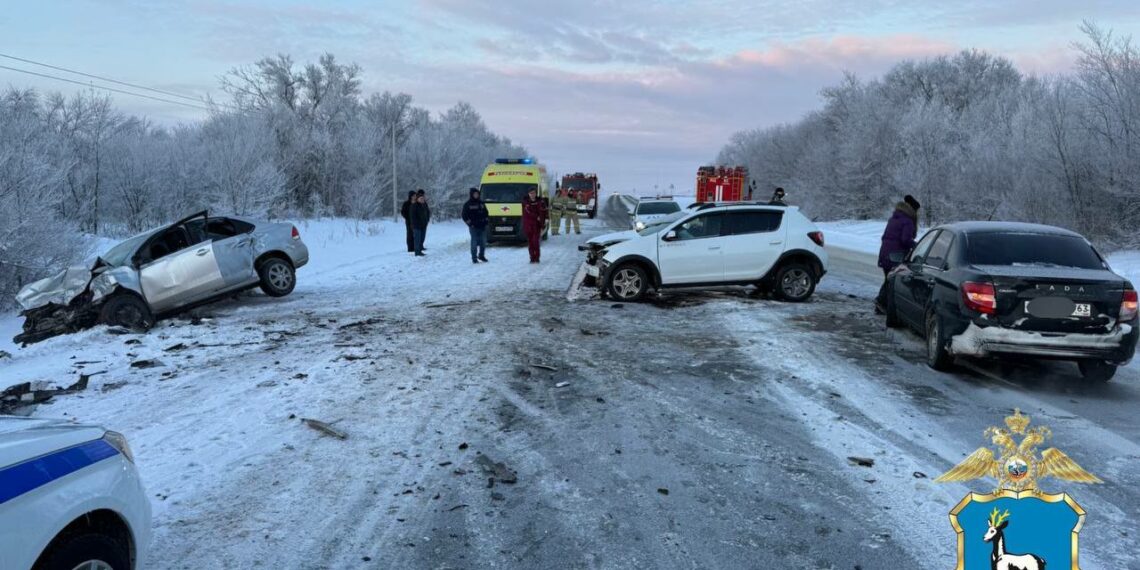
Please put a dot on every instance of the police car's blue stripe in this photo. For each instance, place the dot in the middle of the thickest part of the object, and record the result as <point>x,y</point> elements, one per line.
<point>34,473</point>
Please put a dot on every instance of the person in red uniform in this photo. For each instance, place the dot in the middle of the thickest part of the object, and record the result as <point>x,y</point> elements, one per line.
<point>534,216</point>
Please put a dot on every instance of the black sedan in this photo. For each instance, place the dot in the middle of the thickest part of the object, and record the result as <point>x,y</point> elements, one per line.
<point>988,289</point>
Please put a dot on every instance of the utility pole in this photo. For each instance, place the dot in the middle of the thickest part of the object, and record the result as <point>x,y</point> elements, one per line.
<point>395,194</point>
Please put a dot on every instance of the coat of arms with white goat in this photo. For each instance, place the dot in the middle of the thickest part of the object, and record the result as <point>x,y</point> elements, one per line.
<point>1017,526</point>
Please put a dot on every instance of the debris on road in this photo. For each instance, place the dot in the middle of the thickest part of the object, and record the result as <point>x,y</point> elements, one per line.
<point>175,347</point>
<point>496,470</point>
<point>457,507</point>
<point>663,490</point>
<point>113,385</point>
<point>919,475</point>
<point>544,367</point>
<point>561,384</point>
<point>463,446</point>
<point>147,363</point>
<point>861,461</point>
<point>29,393</point>
<point>5,354</point>
<point>359,324</point>
<point>324,428</point>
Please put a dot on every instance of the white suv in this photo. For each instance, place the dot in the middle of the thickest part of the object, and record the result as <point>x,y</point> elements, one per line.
<point>69,498</point>
<point>775,248</point>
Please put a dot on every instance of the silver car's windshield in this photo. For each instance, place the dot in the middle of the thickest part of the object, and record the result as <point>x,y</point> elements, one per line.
<point>659,224</point>
<point>121,254</point>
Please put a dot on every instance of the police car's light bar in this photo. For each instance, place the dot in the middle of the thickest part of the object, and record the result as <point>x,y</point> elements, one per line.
<point>527,160</point>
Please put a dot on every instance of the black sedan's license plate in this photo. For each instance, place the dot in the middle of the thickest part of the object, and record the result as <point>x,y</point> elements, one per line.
<point>1057,308</point>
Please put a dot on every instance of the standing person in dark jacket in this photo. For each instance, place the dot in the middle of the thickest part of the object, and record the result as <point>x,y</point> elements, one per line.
<point>421,194</point>
<point>475,215</point>
<point>405,212</point>
<point>898,238</point>
<point>420,215</point>
<point>535,214</point>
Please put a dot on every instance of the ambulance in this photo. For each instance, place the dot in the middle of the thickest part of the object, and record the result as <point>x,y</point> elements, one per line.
<point>504,184</point>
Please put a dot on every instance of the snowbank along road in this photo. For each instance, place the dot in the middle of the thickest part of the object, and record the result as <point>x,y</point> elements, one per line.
<point>492,423</point>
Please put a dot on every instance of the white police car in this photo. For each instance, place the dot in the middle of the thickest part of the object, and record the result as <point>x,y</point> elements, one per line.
<point>70,498</point>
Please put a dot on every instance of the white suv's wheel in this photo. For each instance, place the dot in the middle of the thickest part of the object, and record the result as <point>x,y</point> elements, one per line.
<point>627,283</point>
<point>795,282</point>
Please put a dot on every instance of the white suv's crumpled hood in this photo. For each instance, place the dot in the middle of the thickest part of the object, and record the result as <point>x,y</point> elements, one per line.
<point>614,237</point>
<point>22,439</point>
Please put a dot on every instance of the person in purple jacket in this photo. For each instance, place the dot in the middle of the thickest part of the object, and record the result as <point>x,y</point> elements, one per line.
<point>899,237</point>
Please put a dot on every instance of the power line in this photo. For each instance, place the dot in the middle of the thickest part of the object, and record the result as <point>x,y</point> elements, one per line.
<point>107,79</point>
<point>124,92</point>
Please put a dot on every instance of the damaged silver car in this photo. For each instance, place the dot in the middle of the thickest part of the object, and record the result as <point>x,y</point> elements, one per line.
<point>195,260</point>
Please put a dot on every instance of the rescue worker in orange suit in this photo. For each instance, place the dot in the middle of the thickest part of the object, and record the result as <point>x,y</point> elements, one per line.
<point>535,214</point>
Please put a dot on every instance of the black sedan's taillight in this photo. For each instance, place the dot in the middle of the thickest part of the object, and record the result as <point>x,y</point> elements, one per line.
<point>1129,307</point>
<point>979,297</point>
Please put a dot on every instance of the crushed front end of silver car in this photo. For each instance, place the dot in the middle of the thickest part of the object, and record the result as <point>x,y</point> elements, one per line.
<point>68,301</point>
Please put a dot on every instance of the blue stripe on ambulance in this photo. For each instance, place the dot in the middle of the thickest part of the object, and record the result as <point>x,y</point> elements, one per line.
<point>15,480</point>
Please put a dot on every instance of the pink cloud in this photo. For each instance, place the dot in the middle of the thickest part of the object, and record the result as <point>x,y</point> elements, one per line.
<point>841,51</point>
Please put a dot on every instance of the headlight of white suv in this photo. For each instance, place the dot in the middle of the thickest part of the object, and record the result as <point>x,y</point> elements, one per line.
<point>639,225</point>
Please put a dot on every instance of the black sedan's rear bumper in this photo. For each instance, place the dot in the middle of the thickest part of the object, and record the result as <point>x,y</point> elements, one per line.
<point>1117,346</point>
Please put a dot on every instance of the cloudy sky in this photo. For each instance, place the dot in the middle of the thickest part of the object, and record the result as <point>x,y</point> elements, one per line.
<point>640,91</point>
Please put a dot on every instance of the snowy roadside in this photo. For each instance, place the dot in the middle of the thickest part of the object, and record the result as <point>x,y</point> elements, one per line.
<point>338,248</point>
<point>863,237</point>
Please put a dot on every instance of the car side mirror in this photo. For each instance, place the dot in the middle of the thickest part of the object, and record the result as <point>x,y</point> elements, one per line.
<point>669,236</point>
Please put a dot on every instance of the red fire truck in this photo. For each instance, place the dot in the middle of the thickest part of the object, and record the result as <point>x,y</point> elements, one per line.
<point>723,184</point>
<point>586,187</point>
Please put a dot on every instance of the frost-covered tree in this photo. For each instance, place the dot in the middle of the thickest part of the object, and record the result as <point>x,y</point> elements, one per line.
<point>972,138</point>
<point>294,140</point>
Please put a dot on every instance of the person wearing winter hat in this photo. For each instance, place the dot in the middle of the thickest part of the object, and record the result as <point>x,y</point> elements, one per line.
<point>421,194</point>
<point>406,213</point>
<point>475,215</point>
<point>420,215</point>
<point>898,238</point>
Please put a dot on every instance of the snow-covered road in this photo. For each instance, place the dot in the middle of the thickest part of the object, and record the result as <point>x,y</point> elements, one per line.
<point>701,430</point>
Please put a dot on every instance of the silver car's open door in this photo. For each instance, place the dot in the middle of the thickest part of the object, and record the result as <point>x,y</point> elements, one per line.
<point>185,276</point>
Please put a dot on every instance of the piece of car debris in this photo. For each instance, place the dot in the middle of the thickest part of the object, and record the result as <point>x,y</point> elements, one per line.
<point>497,470</point>
<point>147,363</point>
<point>861,461</point>
<point>545,367</point>
<point>561,384</point>
<point>325,428</point>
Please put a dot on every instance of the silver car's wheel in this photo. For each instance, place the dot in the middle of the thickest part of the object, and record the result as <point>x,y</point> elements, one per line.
<point>795,282</point>
<point>278,278</point>
<point>93,565</point>
<point>126,310</point>
<point>628,283</point>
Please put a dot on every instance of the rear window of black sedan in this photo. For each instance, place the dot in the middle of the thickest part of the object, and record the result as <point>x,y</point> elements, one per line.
<point>1009,248</point>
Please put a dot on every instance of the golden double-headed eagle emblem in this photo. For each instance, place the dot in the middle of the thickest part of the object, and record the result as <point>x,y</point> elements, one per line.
<point>1015,464</point>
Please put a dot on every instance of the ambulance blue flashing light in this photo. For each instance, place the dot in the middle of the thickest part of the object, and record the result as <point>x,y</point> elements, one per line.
<point>527,160</point>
